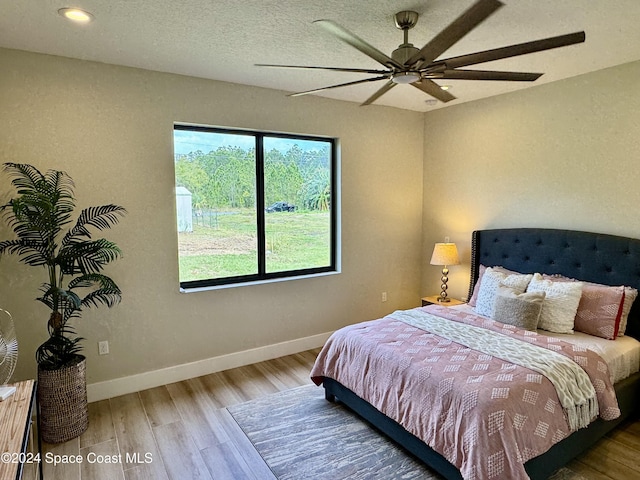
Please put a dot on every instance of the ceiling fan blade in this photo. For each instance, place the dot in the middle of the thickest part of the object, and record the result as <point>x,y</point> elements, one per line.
<point>337,69</point>
<point>454,32</point>
<point>373,79</point>
<point>488,75</point>
<point>385,88</point>
<point>514,50</point>
<point>358,43</point>
<point>433,89</point>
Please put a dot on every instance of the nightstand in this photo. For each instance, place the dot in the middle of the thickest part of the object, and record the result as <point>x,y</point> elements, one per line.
<point>433,300</point>
<point>16,418</point>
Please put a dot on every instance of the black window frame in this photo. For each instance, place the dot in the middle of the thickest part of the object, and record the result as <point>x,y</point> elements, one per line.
<point>262,274</point>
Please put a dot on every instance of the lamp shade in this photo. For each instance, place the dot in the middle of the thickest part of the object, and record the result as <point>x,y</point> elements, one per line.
<point>445,254</point>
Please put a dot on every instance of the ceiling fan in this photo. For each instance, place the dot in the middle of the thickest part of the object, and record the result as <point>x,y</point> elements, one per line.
<point>417,67</point>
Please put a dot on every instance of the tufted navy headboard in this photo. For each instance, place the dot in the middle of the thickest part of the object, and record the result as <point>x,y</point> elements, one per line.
<point>592,257</point>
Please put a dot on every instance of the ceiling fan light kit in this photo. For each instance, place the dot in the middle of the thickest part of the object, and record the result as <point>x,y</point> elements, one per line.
<point>417,67</point>
<point>405,77</point>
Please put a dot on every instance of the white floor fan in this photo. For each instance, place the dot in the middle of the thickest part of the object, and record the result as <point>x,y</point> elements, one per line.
<point>8,353</point>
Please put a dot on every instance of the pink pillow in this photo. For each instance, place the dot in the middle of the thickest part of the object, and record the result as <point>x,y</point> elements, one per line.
<point>476,287</point>
<point>630,295</point>
<point>600,308</point>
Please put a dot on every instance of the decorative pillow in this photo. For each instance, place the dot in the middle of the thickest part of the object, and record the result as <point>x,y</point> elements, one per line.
<point>521,310</point>
<point>630,295</point>
<point>474,297</point>
<point>600,308</point>
<point>476,288</point>
<point>488,290</point>
<point>560,303</point>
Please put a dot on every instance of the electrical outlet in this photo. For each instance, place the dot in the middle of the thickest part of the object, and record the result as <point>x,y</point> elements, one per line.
<point>384,296</point>
<point>103,347</point>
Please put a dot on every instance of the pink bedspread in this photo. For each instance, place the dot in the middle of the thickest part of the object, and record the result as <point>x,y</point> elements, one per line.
<point>484,415</point>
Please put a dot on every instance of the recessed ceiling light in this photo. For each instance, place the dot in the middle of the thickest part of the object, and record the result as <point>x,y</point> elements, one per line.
<point>75,15</point>
<point>445,87</point>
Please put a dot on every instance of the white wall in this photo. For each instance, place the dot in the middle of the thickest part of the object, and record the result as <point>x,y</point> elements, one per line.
<point>111,129</point>
<point>559,155</point>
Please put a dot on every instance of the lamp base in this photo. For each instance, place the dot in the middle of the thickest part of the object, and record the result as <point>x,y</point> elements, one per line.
<point>443,286</point>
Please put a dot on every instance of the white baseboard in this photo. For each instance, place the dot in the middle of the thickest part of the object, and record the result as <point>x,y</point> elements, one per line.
<point>142,381</point>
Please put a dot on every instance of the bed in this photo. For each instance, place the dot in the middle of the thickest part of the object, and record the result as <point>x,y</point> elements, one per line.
<point>587,257</point>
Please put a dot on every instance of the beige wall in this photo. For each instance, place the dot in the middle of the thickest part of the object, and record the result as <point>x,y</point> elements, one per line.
<point>560,155</point>
<point>110,128</point>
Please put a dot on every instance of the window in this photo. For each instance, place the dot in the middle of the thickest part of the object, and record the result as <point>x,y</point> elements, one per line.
<point>253,205</point>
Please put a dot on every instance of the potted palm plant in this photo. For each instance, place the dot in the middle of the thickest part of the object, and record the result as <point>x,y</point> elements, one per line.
<point>40,217</point>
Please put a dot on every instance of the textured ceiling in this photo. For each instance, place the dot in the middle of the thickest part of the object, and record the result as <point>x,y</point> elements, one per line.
<point>223,39</point>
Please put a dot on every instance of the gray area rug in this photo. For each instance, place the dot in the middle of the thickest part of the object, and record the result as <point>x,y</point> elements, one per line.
<point>301,436</point>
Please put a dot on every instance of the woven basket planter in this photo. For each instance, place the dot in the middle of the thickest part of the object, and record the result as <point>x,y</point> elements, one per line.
<point>62,396</point>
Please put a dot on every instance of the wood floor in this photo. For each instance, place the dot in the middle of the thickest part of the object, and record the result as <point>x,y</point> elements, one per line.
<point>182,431</point>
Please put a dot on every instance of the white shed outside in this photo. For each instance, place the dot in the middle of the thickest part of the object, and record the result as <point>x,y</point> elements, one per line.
<point>184,209</point>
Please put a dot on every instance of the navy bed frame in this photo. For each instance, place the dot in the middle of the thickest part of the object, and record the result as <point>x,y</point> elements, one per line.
<point>592,257</point>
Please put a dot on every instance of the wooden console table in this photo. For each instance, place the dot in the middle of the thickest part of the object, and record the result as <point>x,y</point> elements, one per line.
<point>15,427</point>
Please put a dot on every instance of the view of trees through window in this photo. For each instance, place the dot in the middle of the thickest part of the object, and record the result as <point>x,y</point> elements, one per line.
<point>252,205</point>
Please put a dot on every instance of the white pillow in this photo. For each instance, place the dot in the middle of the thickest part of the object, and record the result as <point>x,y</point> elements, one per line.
<point>560,303</point>
<point>491,280</point>
<point>476,287</point>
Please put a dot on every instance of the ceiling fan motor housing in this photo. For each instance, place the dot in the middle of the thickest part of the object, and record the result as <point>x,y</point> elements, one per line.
<point>404,52</point>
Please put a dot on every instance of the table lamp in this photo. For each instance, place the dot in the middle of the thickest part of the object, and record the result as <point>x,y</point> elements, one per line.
<point>444,254</point>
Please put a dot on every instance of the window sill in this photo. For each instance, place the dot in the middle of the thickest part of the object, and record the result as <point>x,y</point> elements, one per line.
<point>257,282</point>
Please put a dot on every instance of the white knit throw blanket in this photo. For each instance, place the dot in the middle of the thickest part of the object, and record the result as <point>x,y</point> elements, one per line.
<point>575,390</point>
